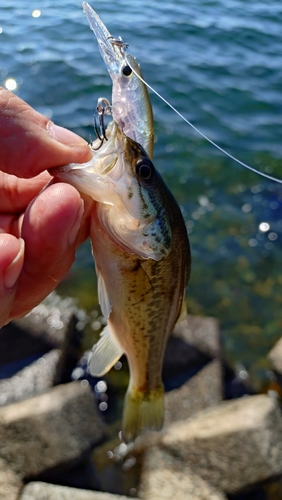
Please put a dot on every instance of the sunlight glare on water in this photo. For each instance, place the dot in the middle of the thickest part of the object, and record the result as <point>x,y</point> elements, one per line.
<point>36,13</point>
<point>10,84</point>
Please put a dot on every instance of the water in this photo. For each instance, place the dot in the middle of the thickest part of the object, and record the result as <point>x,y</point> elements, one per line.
<point>220,63</point>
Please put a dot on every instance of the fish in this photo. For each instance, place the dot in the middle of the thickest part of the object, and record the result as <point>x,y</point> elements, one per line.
<point>142,257</point>
<point>131,105</point>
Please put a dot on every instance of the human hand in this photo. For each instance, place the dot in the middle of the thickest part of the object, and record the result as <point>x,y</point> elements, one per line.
<point>39,230</point>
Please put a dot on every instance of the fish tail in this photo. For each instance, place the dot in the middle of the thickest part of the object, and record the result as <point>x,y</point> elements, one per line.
<point>142,410</point>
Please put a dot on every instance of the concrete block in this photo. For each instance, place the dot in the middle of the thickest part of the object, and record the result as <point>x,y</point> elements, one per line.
<point>235,445</point>
<point>32,380</point>
<point>164,478</point>
<point>45,491</point>
<point>275,357</point>
<point>202,391</point>
<point>10,483</point>
<point>49,430</point>
<point>201,332</point>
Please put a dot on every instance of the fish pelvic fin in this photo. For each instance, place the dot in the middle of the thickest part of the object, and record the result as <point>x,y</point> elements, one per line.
<point>142,411</point>
<point>105,354</point>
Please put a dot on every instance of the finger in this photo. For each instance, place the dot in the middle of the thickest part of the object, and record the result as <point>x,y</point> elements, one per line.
<point>11,262</point>
<point>50,230</point>
<point>17,193</point>
<point>30,143</point>
<point>11,224</point>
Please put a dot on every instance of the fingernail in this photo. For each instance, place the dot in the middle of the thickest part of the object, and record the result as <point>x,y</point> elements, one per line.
<point>74,230</point>
<point>64,135</point>
<point>11,274</point>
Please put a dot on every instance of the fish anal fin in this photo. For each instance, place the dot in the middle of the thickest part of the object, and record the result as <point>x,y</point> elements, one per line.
<point>142,411</point>
<point>105,354</point>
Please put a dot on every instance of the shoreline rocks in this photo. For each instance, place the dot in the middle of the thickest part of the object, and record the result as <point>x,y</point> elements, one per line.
<point>164,478</point>
<point>208,448</point>
<point>47,431</point>
<point>202,391</point>
<point>45,491</point>
<point>236,444</point>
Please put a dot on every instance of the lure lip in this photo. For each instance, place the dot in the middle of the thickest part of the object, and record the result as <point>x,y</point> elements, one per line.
<point>112,50</point>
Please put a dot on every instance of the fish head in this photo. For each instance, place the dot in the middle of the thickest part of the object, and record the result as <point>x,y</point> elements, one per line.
<point>97,177</point>
<point>122,178</point>
<point>139,220</point>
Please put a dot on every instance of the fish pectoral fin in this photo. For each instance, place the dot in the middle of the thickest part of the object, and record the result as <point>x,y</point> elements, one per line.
<point>103,296</point>
<point>105,354</point>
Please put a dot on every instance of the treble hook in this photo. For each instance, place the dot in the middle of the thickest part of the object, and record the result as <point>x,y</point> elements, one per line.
<point>103,108</point>
<point>119,43</point>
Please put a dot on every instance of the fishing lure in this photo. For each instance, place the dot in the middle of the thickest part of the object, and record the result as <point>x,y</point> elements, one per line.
<point>131,106</point>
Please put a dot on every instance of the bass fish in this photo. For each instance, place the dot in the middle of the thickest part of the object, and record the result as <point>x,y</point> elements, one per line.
<point>142,257</point>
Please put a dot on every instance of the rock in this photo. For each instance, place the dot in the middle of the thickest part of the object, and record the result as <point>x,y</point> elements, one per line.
<point>49,430</point>
<point>71,353</point>
<point>194,343</point>
<point>10,483</point>
<point>55,323</point>
<point>193,355</point>
<point>201,332</point>
<point>45,491</point>
<point>79,473</point>
<point>52,318</point>
<point>44,328</point>
<point>166,478</point>
<point>18,348</point>
<point>202,391</point>
<point>275,357</point>
<point>235,445</point>
<point>237,382</point>
<point>181,357</point>
<point>34,379</point>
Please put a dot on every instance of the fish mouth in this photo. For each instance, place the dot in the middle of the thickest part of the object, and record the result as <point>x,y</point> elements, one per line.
<point>112,50</point>
<point>61,173</point>
<point>112,133</point>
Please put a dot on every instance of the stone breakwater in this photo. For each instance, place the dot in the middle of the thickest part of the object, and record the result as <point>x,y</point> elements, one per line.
<point>49,427</point>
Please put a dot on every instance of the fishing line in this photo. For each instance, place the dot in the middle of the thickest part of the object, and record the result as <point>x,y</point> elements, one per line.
<point>202,134</point>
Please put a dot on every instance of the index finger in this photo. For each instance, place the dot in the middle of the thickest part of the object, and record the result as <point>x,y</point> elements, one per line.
<point>16,194</point>
<point>30,143</point>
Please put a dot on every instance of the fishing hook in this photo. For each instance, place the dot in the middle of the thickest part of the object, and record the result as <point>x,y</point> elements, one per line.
<point>119,43</point>
<point>103,108</point>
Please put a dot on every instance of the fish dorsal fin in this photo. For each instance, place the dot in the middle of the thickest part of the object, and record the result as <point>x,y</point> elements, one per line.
<point>105,353</point>
<point>103,296</point>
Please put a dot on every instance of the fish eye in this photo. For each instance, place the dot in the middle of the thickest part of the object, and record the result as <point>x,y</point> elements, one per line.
<point>144,168</point>
<point>126,70</point>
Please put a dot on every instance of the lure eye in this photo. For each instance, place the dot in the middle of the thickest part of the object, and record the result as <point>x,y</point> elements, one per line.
<point>126,70</point>
<point>144,169</point>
